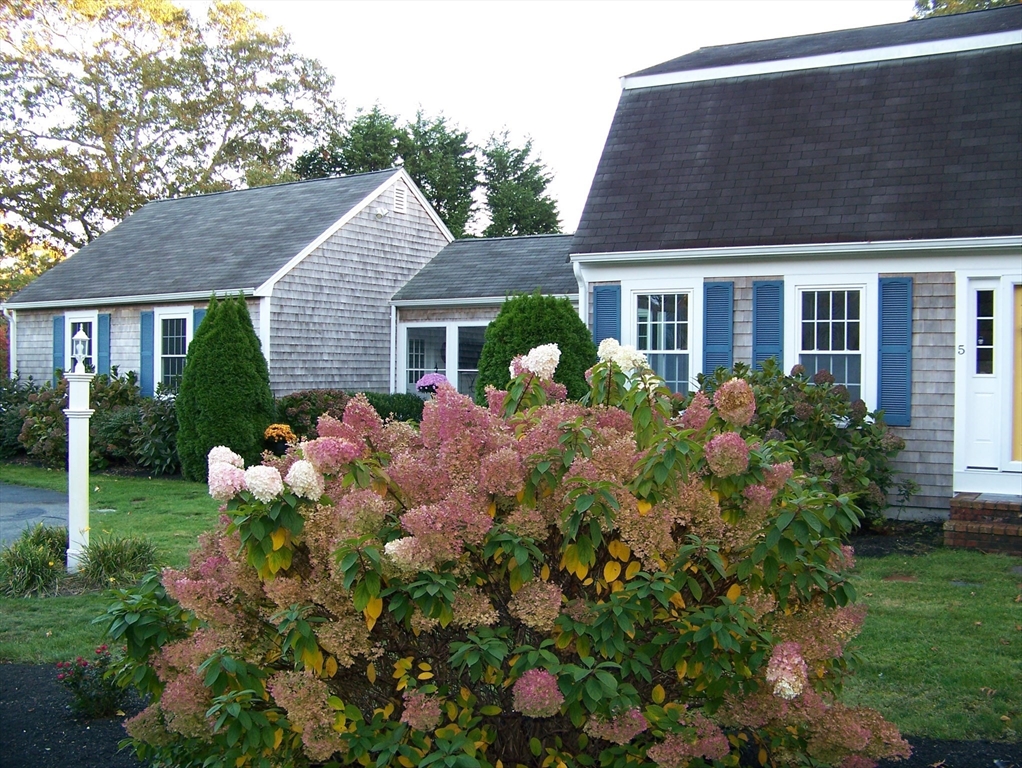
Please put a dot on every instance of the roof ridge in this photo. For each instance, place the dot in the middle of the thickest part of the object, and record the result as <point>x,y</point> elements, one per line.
<point>512,237</point>
<point>269,186</point>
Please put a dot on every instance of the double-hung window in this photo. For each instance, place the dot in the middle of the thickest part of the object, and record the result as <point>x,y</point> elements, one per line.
<point>75,322</point>
<point>830,333</point>
<point>172,328</point>
<point>662,333</point>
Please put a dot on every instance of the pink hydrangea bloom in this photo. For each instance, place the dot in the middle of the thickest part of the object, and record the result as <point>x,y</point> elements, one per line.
<point>757,498</point>
<point>787,670</point>
<point>697,413</point>
<point>777,475</point>
<point>536,694</point>
<point>304,480</point>
<point>727,454</point>
<point>406,554</point>
<point>620,729</point>
<point>329,454</point>
<point>363,419</point>
<point>225,480</point>
<point>676,750</point>
<point>263,482</point>
<point>537,604</point>
<point>422,711</point>
<point>226,455</point>
<point>735,402</point>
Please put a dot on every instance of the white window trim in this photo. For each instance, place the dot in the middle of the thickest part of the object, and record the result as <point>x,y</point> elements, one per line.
<point>869,308</point>
<point>632,289</point>
<point>451,359</point>
<point>81,317</point>
<point>169,313</point>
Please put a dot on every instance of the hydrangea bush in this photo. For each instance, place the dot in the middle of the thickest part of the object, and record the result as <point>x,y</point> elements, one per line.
<point>536,582</point>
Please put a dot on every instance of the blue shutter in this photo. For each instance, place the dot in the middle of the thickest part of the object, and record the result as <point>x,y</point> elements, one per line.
<point>197,316</point>
<point>103,344</point>
<point>58,346</point>
<point>145,366</point>
<point>606,312</point>
<point>894,380</point>
<point>767,322</point>
<point>718,326</point>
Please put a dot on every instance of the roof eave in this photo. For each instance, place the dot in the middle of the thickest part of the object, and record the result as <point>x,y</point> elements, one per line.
<point>153,298</point>
<point>469,301</point>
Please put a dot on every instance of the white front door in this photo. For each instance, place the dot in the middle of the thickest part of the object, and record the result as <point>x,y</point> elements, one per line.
<point>984,372</point>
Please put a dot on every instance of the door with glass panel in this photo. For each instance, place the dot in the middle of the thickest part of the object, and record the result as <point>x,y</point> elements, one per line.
<point>982,351</point>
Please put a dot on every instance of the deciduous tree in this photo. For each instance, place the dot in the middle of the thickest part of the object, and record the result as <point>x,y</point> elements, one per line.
<point>107,104</point>
<point>926,8</point>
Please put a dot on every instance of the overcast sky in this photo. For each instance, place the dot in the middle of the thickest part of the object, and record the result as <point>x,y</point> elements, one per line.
<point>549,70</point>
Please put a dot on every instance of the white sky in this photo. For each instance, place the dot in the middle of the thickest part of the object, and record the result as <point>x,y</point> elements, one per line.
<point>548,70</point>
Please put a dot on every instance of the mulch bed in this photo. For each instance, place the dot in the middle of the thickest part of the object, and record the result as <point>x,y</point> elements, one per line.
<point>38,731</point>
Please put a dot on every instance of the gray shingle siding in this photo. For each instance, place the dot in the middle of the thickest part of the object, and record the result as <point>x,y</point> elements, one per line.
<point>331,313</point>
<point>928,458</point>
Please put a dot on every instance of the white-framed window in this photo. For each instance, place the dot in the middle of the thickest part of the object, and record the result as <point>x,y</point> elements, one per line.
<point>172,327</point>
<point>81,321</point>
<point>662,331</point>
<point>450,348</point>
<point>830,338</point>
<point>830,323</point>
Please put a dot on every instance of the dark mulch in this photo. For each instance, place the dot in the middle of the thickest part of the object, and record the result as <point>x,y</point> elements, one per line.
<point>38,731</point>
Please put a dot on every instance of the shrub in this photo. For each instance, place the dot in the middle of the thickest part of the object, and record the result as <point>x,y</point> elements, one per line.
<point>834,438</point>
<point>399,406</point>
<point>525,322</point>
<point>224,397</point>
<point>14,395</point>
<point>44,427</point>
<point>301,410</point>
<point>91,684</point>
<point>154,436</point>
<point>111,560</point>
<point>34,563</point>
<point>533,581</point>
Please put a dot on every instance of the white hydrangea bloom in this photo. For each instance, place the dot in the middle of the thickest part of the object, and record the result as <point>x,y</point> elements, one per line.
<point>225,480</point>
<point>404,553</point>
<point>263,482</point>
<point>608,348</point>
<point>542,360</point>
<point>628,358</point>
<point>304,480</point>
<point>222,453</point>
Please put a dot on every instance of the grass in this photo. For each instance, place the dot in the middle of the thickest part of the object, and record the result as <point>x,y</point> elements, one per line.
<point>172,513</point>
<point>941,648</point>
<point>939,659</point>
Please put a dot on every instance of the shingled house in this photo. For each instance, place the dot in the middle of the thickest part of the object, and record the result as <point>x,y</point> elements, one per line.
<point>316,260</point>
<point>441,314</point>
<point>849,200</point>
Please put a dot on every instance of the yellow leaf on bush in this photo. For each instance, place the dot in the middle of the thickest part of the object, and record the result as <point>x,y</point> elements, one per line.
<point>278,736</point>
<point>619,550</point>
<point>735,592</point>
<point>492,510</point>
<point>374,607</point>
<point>681,668</point>
<point>279,538</point>
<point>371,672</point>
<point>678,601</point>
<point>644,507</point>
<point>330,666</point>
<point>659,694</point>
<point>544,572</point>
<point>611,571</point>
<point>762,756</point>
<point>633,568</point>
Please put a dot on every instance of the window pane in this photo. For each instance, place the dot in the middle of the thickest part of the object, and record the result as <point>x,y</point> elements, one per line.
<point>823,305</point>
<point>839,305</point>
<point>87,327</point>
<point>837,336</point>
<point>470,345</point>
<point>808,305</point>
<point>427,349</point>
<point>853,305</point>
<point>984,360</point>
<point>174,336</point>
<point>808,336</point>
<point>984,303</point>
<point>853,336</point>
<point>672,368</point>
<point>822,336</point>
<point>985,333</point>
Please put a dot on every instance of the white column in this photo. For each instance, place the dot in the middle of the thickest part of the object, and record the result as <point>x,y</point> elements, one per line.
<point>78,414</point>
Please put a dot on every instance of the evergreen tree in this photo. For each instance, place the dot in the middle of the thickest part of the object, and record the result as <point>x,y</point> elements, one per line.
<point>224,397</point>
<point>525,322</point>
<point>515,186</point>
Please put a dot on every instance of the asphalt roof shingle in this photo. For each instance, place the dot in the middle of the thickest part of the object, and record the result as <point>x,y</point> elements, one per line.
<point>917,148</point>
<point>494,267</point>
<point>220,242</point>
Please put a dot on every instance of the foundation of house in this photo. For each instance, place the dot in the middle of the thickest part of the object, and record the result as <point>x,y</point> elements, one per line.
<point>989,522</point>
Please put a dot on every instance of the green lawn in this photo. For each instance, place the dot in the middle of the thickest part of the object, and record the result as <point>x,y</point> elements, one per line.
<point>939,658</point>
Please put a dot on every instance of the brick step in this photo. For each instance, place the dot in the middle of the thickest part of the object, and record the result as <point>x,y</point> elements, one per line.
<point>987,508</point>
<point>988,537</point>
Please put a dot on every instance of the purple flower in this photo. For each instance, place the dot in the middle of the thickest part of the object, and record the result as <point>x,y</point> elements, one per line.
<point>430,382</point>
<point>536,694</point>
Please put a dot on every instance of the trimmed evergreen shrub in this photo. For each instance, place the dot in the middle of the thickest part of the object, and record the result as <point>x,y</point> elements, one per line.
<point>528,321</point>
<point>300,410</point>
<point>536,582</point>
<point>224,397</point>
<point>400,406</point>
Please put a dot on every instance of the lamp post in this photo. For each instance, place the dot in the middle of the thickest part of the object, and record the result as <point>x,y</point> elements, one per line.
<point>78,414</point>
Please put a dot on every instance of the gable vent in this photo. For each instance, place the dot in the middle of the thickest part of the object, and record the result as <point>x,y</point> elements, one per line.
<point>400,199</point>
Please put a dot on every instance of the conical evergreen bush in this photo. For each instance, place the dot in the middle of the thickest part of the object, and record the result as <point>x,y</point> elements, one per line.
<point>224,397</point>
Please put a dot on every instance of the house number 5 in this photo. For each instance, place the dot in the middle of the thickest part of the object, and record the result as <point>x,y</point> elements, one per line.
<point>961,349</point>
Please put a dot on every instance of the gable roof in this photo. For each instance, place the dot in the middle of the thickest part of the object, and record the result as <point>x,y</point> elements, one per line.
<point>492,268</point>
<point>225,242</point>
<point>898,149</point>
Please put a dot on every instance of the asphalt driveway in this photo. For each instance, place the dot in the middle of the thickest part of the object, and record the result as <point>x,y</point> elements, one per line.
<point>22,508</point>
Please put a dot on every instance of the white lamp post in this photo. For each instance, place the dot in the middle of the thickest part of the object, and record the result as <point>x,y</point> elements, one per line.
<point>78,413</point>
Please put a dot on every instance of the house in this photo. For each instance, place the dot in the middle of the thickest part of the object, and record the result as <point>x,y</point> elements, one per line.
<point>441,314</point>
<point>849,200</point>
<point>317,262</point>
